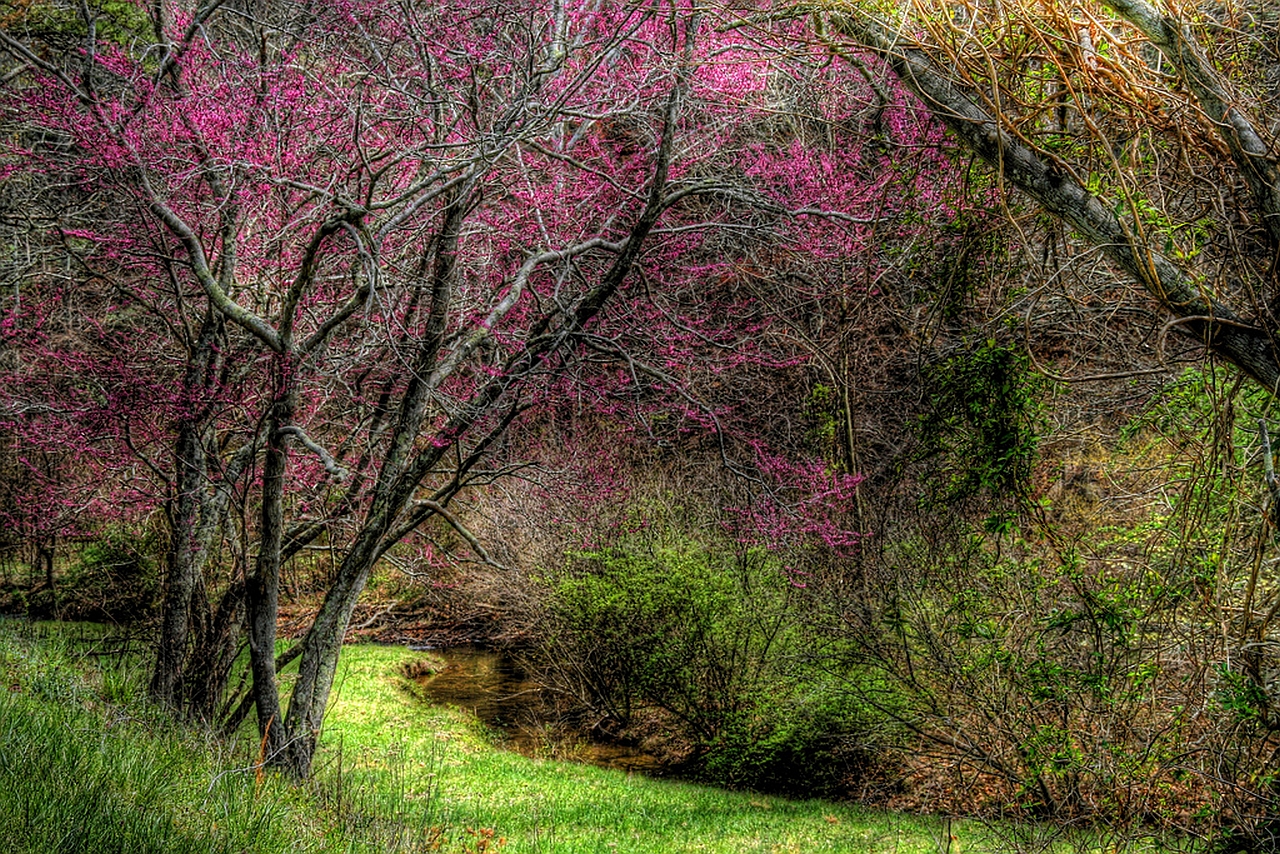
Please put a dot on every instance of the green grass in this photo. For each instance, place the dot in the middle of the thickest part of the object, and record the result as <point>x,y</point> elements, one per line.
<point>542,805</point>
<point>79,774</point>
<point>86,766</point>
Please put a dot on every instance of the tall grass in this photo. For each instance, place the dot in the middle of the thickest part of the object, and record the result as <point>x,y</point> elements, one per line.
<point>87,765</point>
<point>78,774</point>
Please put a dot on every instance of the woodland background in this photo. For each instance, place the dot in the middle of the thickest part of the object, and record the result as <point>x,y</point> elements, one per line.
<point>858,399</point>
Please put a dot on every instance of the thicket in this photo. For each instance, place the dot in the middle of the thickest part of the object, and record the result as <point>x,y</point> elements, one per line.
<point>114,578</point>
<point>712,647</point>
<point>1073,630</point>
<point>1101,657</point>
<point>1063,611</point>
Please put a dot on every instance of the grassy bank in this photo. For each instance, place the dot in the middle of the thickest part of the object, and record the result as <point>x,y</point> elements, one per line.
<point>541,805</point>
<point>85,766</point>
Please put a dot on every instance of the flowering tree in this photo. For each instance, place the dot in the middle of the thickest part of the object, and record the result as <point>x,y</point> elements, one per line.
<point>369,239</point>
<point>298,199</point>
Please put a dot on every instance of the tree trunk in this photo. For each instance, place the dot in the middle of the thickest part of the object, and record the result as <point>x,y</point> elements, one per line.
<point>320,651</point>
<point>213,654</point>
<point>195,515</point>
<point>186,563</point>
<point>262,587</point>
<point>45,549</point>
<point>323,643</point>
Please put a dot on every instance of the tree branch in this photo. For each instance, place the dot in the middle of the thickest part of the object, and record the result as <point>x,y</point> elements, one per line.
<point>330,464</point>
<point>1248,148</point>
<point>1052,185</point>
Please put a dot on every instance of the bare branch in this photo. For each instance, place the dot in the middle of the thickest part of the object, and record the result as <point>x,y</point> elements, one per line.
<point>330,464</point>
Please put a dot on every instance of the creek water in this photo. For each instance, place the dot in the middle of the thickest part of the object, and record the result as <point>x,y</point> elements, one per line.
<point>491,685</point>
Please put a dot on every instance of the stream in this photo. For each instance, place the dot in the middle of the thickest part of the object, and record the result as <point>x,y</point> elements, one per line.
<point>491,685</point>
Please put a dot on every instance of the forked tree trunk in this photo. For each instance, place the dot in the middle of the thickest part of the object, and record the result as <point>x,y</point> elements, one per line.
<point>193,642</point>
<point>323,643</point>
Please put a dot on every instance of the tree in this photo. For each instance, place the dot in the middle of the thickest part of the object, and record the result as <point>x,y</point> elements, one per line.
<point>1146,132</point>
<point>296,197</point>
<point>1144,136</point>
<point>378,234</point>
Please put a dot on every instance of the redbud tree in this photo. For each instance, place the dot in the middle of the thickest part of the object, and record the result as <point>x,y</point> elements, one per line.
<point>343,251</point>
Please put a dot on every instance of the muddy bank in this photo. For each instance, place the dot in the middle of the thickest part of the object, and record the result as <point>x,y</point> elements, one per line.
<point>520,712</point>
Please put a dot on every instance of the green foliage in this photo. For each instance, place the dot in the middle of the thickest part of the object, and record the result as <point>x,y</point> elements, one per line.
<point>642,622</point>
<point>820,410</point>
<point>1242,696</point>
<point>715,644</point>
<point>794,740</point>
<point>116,578</point>
<point>1201,407</point>
<point>118,21</point>
<point>980,434</point>
<point>648,619</point>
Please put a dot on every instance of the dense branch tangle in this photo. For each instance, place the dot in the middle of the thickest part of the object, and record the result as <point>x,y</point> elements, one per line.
<point>314,213</point>
<point>1148,133</point>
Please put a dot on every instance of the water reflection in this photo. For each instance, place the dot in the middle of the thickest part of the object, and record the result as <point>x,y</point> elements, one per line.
<point>492,686</point>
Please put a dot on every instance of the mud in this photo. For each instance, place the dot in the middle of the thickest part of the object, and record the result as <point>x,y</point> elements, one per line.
<point>519,711</point>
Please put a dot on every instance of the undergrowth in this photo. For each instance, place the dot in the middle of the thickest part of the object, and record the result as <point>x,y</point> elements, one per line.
<point>87,765</point>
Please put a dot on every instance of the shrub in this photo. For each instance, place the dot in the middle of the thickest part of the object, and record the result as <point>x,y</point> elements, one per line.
<point>116,579</point>
<point>714,644</point>
<point>980,435</point>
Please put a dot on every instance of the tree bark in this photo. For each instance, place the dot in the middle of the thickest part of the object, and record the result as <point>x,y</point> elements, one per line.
<point>196,646</point>
<point>185,564</point>
<point>262,587</point>
<point>188,523</point>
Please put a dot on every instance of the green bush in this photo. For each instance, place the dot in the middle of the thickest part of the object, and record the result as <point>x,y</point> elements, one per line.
<point>116,579</point>
<point>712,643</point>
<point>802,742</point>
<point>980,435</point>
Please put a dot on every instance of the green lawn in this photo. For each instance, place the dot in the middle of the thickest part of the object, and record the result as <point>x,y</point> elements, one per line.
<point>86,765</point>
<point>384,732</point>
